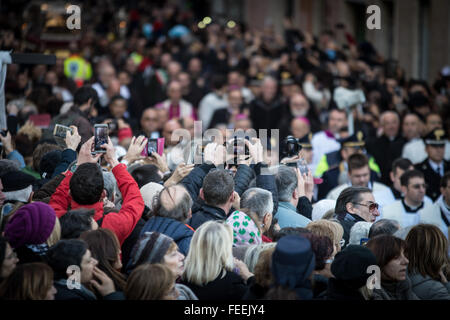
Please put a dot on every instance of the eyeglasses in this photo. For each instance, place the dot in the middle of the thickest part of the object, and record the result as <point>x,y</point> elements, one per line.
<point>372,206</point>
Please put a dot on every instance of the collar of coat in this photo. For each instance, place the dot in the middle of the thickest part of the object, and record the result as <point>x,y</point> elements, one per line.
<point>409,209</point>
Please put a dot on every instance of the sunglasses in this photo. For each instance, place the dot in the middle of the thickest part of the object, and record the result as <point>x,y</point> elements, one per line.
<point>371,206</point>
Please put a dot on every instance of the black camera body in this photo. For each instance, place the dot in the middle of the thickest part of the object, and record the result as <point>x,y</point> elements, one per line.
<point>292,146</point>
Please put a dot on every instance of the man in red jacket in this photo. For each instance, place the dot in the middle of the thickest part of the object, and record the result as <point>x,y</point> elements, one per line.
<point>84,188</point>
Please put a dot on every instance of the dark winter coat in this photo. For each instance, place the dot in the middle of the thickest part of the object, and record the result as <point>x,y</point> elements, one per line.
<point>230,287</point>
<point>179,232</point>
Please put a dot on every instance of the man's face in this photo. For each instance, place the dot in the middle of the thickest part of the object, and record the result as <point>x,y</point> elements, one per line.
<point>299,128</point>
<point>235,99</point>
<point>348,151</point>
<point>434,121</point>
<point>169,128</point>
<point>299,105</point>
<point>435,152</point>
<point>411,127</point>
<point>390,125</point>
<point>395,178</point>
<point>446,192</point>
<point>415,190</point>
<point>362,207</point>
<point>360,177</point>
<point>118,108</point>
<point>269,89</point>
<point>336,121</point>
<point>149,121</point>
<point>174,91</point>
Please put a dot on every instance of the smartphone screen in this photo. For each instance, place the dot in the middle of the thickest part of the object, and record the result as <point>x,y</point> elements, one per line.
<point>61,131</point>
<point>152,146</point>
<point>101,137</point>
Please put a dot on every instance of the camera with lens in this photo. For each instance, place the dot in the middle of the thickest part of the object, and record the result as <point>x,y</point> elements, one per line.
<point>291,146</point>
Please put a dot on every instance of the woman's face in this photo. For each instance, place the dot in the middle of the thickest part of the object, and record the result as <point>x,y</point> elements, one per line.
<point>9,263</point>
<point>174,259</point>
<point>396,268</point>
<point>51,293</point>
<point>88,264</point>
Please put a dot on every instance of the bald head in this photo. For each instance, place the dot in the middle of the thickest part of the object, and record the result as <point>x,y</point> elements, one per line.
<point>169,127</point>
<point>174,202</point>
<point>300,127</point>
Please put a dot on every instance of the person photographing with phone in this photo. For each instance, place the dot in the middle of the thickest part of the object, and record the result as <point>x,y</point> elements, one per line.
<point>83,186</point>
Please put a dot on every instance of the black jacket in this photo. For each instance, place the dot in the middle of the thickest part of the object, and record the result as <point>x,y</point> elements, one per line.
<point>64,293</point>
<point>230,287</point>
<point>347,221</point>
<point>207,213</point>
<point>255,291</point>
<point>266,115</point>
<point>178,231</point>
<point>432,178</point>
<point>338,291</point>
<point>385,152</point>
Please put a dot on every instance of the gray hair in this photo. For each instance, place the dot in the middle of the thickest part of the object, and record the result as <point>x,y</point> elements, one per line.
<point>110,185</point>
<point>258,201</point>
<point>8,166</point>
<point>383,226</point>
<point>252,254</point>
<point>286,180</point>
<point>359,231</point>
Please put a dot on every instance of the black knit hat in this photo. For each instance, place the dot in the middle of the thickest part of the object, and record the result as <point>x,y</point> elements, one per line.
<point>350,266</point>
<point>16,180</point>
<point>49,162</point>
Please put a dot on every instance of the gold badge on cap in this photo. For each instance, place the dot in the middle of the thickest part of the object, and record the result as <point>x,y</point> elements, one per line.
<point>360,136</point>
<point>285,75</point>
<point>439,133</point>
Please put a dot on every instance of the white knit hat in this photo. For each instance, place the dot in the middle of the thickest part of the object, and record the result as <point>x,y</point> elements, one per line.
<point>321,207</point>
<point>150,190</point>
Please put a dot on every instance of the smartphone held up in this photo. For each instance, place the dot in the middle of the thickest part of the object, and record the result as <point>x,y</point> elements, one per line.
<point>100,138</point>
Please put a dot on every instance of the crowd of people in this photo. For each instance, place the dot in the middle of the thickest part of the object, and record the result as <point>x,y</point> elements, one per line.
<point>304,217</point>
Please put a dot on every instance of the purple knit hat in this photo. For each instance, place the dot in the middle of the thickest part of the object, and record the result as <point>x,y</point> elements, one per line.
<point>31,224</point>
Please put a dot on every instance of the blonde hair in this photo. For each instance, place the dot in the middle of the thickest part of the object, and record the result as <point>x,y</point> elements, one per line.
<point>210,253</point>
<point>327,228</point>
<point>55,236</point>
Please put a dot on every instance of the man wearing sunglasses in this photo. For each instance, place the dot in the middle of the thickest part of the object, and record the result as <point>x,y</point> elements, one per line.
<point>412,209</point>
<point>355,204</point>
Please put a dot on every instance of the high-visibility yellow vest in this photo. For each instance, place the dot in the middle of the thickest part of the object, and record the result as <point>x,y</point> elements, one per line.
<point>75,67</point>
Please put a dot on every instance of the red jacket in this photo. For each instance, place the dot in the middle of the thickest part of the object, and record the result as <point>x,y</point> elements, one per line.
<point>121,223</point>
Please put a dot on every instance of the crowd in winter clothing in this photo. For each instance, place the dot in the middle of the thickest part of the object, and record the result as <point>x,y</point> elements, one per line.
<point>368,219</point>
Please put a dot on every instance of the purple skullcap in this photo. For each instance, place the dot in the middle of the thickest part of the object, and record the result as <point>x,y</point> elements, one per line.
<point>31,224</point>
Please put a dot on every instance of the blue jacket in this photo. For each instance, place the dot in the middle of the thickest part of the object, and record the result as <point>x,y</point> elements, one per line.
<point>288,216</point>
<point>178,231</point>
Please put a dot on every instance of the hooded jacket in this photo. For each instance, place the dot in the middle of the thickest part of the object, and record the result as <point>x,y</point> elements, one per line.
<point>121,223</point>
<point>179,232</point>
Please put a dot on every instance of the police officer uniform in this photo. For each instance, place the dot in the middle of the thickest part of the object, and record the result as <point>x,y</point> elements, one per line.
<point>333,169</point>
<point>433,172</point>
